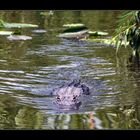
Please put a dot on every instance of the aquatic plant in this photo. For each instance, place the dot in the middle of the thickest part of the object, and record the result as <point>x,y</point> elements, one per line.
<point>127,32</point>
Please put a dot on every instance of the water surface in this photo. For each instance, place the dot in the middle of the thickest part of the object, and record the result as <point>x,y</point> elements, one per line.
<point>30,69</point>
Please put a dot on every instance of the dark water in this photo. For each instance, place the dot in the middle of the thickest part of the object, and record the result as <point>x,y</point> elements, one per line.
<point>30,69</point>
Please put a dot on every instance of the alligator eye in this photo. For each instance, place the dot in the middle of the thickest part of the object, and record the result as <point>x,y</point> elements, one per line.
<point>58,98</point>
<point>74,98</point>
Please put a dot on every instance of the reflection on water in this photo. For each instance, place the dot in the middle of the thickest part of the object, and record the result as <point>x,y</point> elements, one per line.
<point>31,69</point>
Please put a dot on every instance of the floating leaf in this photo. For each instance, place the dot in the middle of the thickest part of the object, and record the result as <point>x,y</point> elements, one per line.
<point>74,25</point>
<point>79,34</point>
<point>19,37</point>
<point>16,25</point>
<point>104,41</point>
<point>39,31</point>
<point>6,32</point>
<point>97,33</point>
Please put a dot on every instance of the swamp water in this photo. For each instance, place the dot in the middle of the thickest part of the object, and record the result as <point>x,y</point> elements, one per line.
<point>30,69</point>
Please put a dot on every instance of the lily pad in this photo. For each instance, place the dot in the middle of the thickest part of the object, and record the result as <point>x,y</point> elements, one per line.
<point>39,31</point>
<point>6,32</point>
<point>76,25</point>
<point>16,25</point>
<point>19,37</point>
<point>97,33</point>
<point>69,35</point>
<point>19,25</point>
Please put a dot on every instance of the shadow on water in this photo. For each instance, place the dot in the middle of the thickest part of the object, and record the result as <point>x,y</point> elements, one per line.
<point>31,69</point>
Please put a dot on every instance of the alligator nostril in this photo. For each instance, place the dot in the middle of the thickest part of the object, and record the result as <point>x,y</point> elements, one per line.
<point>74,98</point>
<point>58,98</point>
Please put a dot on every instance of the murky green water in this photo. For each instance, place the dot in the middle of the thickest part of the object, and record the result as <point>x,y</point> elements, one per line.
<point>30,69</point>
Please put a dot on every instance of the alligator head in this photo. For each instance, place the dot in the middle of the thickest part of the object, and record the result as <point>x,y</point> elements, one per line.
<point>68,97</point>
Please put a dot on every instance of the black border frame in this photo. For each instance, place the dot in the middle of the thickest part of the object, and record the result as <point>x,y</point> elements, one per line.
<point>69,5</point>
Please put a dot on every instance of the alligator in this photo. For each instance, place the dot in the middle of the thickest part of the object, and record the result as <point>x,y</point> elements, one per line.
<point>68,96</point>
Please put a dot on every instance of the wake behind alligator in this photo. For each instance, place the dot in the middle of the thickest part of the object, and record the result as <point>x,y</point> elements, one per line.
<point>68,96</point>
